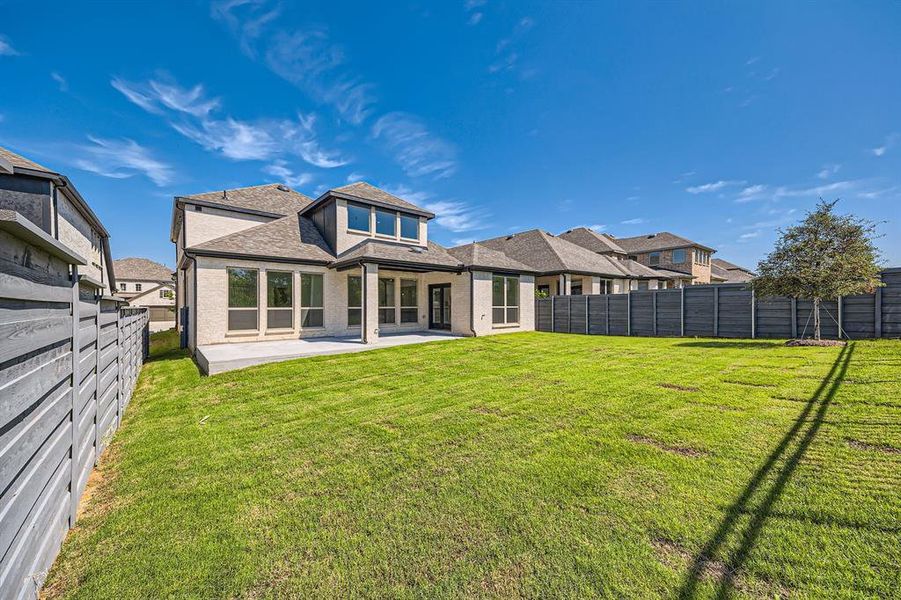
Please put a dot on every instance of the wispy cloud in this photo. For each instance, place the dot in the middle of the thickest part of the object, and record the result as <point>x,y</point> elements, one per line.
<point>280,169</point>
<point>683,177</point>
<point>418,151</point>
<point>635,221</point>
<point>475,18</point>
<point>462,241</point>
<point>191,113</point>
<point>764,192</point>
<point>828,171</point>
<point>713,186</point>
<point>6,47</point>
<point>887,144</point>
<point>751,88</point>
<point>507,57</point>
<point>453,215</point>
<point>120,159</point>
<point>60,81</point>
<point>597,227</point>
<point>355,176</point>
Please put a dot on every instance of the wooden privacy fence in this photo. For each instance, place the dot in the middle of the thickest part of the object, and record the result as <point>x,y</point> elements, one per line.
<point>69,360</point>
<point>723,310</point>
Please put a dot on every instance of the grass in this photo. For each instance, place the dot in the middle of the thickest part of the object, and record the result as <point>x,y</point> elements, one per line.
<point>523,465</point>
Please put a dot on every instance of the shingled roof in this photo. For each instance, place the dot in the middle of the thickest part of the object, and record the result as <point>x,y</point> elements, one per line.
<point>663,240</point>
<point>369,193</point>
<point>545,253</point>
<point>592,240</point>
<point>17,160</point>
<point>479,256</point>
<point>141,269</point>
<point>729,272</point>
<point>293,237</point>
<point>273,198</point>
<point>434,256</point>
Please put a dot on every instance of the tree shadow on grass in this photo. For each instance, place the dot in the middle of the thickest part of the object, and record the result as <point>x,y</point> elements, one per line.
<point>818,404</point>
<point>725,344</point>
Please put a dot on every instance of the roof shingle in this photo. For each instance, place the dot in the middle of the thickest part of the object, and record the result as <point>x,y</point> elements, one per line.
<point>365,191</point>
<point>142,269</point>
<point>545,253</point>
<point>592,240</point>
<point>272,198</point>
<point>657,241</point>
<point>292,237</point>
<point>477,255</point>
<point>380,251</point>
<point>17,160</point>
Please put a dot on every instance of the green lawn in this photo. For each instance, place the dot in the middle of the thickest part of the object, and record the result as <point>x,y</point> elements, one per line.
<point>523,465</point>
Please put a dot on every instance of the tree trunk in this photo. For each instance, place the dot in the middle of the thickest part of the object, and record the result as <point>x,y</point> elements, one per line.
<point>816,318</point>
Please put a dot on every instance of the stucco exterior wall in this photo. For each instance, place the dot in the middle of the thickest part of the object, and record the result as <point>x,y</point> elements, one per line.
<point>212,223</point>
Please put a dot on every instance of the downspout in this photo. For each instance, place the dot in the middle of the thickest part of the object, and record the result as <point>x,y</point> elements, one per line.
<point>363,331</point>
<point>472,303</point>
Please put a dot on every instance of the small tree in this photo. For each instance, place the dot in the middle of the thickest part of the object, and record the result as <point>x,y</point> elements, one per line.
<point>825,256</point>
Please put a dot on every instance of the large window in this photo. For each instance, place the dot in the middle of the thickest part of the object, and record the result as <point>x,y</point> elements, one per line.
<point>679,256</point>
<point>354,301</point>
<point>409,227</point>
<point>311,311</point>
<point>385,222</point>
<point>505,299</point>
<point>279,300</point>
<point>654,259</point>
<point>358,217</point>
<point>386,301</point>
<point>242,299</point>
<point>409,308</point>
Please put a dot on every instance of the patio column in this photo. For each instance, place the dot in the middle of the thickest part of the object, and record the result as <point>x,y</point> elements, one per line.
<point>594,288</point>
<point>370,279</point>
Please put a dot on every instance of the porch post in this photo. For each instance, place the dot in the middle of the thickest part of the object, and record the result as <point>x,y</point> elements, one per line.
<point>370,326</point>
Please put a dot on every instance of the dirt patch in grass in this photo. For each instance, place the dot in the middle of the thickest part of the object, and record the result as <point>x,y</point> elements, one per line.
<point>680,450</point>
<point>795,343</point>
<point>859,445</point>
<point>489,410</point>
<point>681,388</point>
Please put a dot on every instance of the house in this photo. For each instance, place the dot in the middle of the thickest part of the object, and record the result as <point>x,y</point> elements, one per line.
<point>50,201</point>
<point>269,263</point>
<point>722,271</point>
<point>143,282</point>
<point>565,268</point>
<point>687,262</point>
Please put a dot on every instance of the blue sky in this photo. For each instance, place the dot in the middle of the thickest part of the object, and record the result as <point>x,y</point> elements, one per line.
<point>717,121</point>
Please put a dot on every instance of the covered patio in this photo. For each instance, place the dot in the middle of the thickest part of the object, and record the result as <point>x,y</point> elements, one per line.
<point>219,358</point>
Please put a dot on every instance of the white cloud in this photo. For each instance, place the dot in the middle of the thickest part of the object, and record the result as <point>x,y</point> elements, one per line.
<point>121,159</point>
<point>475,18</point>
<point>888,144</point>
<point>457,216</point>
<point>712,187</point>
<point>462,241</point>
<point>598,228</point>
<point>60,80</point>
<point>508,58</point>
<point>155,95</point>
<point>415,148</point>
<point>233,139</point>
<point>401,191</point>
<point>355,176</point>
<point>280,169</point>
<point>683,177</point>
<point>6,47</point>
<point>635,221</point>
<point>246,27</point>
<point>749,235</point>
<point>763,192</point>
<point>828,171</point>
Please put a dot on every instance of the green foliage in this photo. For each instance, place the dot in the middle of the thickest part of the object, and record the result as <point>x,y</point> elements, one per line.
<point>825,256</point>
<point>541,293</point>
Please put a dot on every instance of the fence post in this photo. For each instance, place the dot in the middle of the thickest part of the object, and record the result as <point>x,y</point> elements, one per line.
<point>753,315</point>
<point>76,380</point>
<point>607,316</point>
<point>877,323</point>
<point>794,318</point>
<point>840,302</point>
<point>553,329</point>
<point>586,314</point>
<point>716,312</point>
<point>654,309</point>
<point>97,390</point>
<point>119,368</point>
<point>569,314</point>
<point>629,312</point>
<point>682,314</point>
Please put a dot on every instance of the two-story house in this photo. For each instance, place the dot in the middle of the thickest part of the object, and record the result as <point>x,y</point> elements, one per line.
<point>268,263</point>
<point>143,282</point>
<point>687,262</point>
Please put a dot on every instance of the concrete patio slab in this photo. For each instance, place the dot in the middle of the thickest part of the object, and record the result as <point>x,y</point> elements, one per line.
<point>219,358</point>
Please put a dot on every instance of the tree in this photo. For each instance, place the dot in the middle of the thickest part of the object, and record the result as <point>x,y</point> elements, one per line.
<point>825,256</point>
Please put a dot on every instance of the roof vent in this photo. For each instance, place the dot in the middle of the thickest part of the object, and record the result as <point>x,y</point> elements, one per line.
<point>417,249</point>
<point>283,188</point>
<point>652,236</point>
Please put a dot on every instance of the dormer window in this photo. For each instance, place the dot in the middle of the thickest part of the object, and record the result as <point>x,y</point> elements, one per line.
<point>358,217</point>
<point>409,227</point>
<point>385,222</point>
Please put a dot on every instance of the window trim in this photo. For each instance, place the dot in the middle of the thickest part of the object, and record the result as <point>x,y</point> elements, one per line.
<point>280,308</point>
<point>229,308</point>
<point>505,307</point>
<point>138,287</point>
<point>301,308</point>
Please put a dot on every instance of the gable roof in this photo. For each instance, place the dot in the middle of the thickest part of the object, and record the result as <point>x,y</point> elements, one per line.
<point>273,198</point>
<point>477,255</point>
<point>725,264</point>
<point>365,192</point>
<point>545,253</point>
<point>592,240</point>
<point>292,237</point>
<point>142,269</point>
<point>384,252</point>
<point>663,240</point>
<point>729,272</point>
<point>17,160</point>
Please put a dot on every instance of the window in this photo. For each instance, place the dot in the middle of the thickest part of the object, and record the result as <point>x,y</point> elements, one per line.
<point>385,222</point>
<point>122,287</point>
<point>409,227</point>
<point>242,299</point>
<point>279,300</point>
<point>165,294</point>
<point>386,301</point>
<point>358,217</point>
<point>679,256</point>
<point>409,307</point>
<point>654,259</point>
<point>575,288</point>
<point>505,299</point>
<point>354,300</point>
<point>137,287</point>
<point>311,311</point>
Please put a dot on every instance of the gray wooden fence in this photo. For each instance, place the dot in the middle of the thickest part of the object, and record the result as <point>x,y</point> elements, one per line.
<point>69,360</point>
<point>723,310</point>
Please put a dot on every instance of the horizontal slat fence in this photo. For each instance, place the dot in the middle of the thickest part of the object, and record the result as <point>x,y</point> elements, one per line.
<point>68,364</point>
<point>723,310</point>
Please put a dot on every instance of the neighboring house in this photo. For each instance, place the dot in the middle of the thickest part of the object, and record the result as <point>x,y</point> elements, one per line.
<point>268,263</point>
<point>143,282</point>
<point>687,262</point>
<point>722,271</point>
<point>51,202</point>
